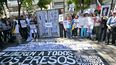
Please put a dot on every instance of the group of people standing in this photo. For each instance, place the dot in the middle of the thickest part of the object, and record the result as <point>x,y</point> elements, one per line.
<point>89,25</point>
<point>86,25</point>
<point>16,29</point>
<point>79,25</point>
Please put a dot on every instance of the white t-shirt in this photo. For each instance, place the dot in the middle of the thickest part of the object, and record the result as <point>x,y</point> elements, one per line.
<point>66,24</point>
<point>80,23</point>
<point>83,21</point>
<point>90,22</point>
<point>16,30</point>
<point>17,27</point>
<point>28,20</point>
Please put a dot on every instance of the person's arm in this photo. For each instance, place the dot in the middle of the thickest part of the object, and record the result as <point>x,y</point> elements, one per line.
<point>108,23</point>
<point>64,25</point>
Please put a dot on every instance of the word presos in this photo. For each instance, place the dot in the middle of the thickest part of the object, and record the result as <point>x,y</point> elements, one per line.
<point>48,58</point>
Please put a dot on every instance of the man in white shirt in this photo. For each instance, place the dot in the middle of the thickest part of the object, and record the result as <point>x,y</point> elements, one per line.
<point>111,24</point>
<point>23,29</point>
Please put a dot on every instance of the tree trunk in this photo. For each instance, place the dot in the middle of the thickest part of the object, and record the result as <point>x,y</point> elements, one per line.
<point>64,6</point>
<point>112,4</point>
<point>19,8</point>
<point>41,8</point>
<point>4,11</point>
<point>82,5</point>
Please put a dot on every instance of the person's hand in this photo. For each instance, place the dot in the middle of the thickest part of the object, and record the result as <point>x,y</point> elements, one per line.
<point>65,29</point>
<point>109,27</point>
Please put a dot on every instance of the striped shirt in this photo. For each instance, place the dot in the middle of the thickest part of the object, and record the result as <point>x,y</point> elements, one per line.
<point>111,21</point>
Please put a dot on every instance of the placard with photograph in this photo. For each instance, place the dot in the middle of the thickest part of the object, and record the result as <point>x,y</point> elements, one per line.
<point>105,10</point>
<point>48,21</point>
<point>42,19</point>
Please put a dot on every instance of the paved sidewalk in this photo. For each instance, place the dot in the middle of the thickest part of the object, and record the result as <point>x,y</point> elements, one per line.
<point>108,52</point>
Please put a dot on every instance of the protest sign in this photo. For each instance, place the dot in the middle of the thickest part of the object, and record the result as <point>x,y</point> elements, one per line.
<point>51,58</point>
<point>48,23</point>
<point>105,10</point>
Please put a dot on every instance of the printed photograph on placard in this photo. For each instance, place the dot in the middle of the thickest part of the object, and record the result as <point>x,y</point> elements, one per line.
<point>105,10</point>
<point>42,19</point>
<point>53,18</point>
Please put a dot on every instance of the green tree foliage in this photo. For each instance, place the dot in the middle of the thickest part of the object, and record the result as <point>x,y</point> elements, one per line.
<point>43,3</point>
<point>1,8</point>
<point>80,4</point>
<point>69,2</point>
<point>27,4</point>
<point>2,2</point>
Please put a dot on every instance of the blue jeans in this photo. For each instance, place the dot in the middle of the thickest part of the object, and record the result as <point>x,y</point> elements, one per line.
<point>89,33</point>
<point>68,33</point>
<point>83,32</point>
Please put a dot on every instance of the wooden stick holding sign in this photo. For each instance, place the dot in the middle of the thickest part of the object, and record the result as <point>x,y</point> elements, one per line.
<point>114,8</point>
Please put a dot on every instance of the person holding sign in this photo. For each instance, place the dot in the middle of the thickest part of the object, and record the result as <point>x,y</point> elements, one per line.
<point>74,26</point>
<point>28,19</point>
<point>67,26</point>
<point>33,29</point>
<point>103,29</point>
<point>23,29</point>
<point>111,24</point>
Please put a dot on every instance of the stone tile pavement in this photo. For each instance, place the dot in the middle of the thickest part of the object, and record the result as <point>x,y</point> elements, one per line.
<point>108,52</point>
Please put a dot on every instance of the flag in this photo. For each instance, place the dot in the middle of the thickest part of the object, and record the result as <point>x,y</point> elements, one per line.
<point>73,25</point>
<point>98,5</point>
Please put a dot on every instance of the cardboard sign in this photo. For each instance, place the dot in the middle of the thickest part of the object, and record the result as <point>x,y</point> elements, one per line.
<point>23,23</point>
<point>48,24</point>
<point>61,17</point>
